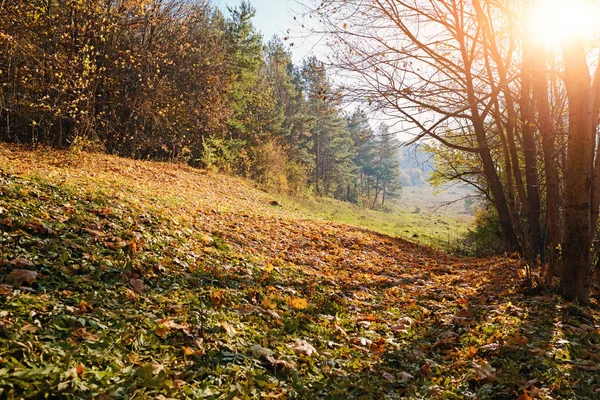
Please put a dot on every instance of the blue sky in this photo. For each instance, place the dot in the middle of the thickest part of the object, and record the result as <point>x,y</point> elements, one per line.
<point>276,17</point>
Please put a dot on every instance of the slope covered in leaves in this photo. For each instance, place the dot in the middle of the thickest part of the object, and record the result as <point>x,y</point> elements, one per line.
<point>126,279</point>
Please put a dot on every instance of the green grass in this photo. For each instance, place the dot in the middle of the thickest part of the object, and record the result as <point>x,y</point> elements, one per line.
<point>437,230</point>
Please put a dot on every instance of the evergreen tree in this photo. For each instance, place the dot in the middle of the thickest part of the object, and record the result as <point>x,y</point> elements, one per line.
<point>387,166</point>
<point>253,112</point>
<point>364,145</point>
<point>332,144</point>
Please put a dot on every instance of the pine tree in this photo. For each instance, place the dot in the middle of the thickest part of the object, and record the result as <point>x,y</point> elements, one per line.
<point>387,166</point>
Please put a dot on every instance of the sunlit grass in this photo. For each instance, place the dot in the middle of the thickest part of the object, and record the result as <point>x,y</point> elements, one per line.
<point>439,230</point>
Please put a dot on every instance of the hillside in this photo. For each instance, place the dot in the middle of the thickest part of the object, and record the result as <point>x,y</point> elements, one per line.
<point>130,279</point>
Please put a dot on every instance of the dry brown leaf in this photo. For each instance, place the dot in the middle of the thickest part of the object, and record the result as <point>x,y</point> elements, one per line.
<point>388,376</point>
<point>27,327</point>
<point>525,396</point>
<point>482,370</point>
<point>400,328</point>
<point>21,263</point>
<point>23,275</point>
<point>130,294</point>
<point>425,369</point>
<point>137,285</point>
<point>94,233</point>
<point>157,368</point>
<point>218,297</point>
<point>406,377</point>
<point>85,335</point>
<point>258,351</point>
<point>273,314</point>
<point>5,290</point>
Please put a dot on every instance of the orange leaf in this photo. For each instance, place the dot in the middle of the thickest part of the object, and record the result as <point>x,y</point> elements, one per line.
<point>218,297</point>
<point>525,396</point>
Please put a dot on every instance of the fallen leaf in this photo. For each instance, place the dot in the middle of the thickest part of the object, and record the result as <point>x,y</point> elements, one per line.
<point>388,376</point>
<point>268,303</point>
<point>27,327</point>
<point>218,297</point>
<point>23,275</point>
<point>273,314</point>
<point>258,351</point>
<point>94,233</point>
<point>157,368</point>
<point>482,370</point>
<point>5,289</point>
<point>21,263</point>
<point>228,328</point>
<point>400,328</point>
<point>85,335</point>
<point>137,285</point>
<point>37,227</point>
<point>298,303</point>
<point>303,347</point>
<point>406,377</point>
<point>525,396</point>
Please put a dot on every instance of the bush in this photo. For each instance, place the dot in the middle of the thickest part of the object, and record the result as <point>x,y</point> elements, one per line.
<point>269,162</point>
<point>485,239</point>
<point>272,168</point>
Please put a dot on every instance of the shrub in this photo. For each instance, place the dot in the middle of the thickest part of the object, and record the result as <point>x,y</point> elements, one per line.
<point>485,238</point>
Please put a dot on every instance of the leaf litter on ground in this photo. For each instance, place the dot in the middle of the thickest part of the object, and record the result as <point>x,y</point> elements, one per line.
<point>148,279</point>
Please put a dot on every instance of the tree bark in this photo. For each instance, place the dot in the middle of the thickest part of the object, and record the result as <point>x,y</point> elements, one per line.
<point>580,154</point>
<point>540,93</point>
<point>530,155</point>
<point>595,120</point>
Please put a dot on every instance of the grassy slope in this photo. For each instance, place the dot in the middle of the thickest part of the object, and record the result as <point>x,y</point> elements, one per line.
<point>438,230</point>
<point>157,281</point>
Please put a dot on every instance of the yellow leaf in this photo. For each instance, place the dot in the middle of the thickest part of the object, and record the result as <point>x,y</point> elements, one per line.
<point>228,328</point>
<point>298,303</point>
<point>268,303</point>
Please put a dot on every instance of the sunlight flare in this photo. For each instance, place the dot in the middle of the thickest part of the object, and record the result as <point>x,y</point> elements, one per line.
<point>552,22</point>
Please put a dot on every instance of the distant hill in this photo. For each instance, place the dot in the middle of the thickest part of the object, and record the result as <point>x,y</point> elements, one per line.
<point>416,165</point>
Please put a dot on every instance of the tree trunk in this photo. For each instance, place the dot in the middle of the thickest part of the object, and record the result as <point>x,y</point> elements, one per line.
<point>489,167</point>
<point>504,217</point>
<point>540,93</point>
<point>530,155</point>
<point>578,227</point>
<point>595,120</point>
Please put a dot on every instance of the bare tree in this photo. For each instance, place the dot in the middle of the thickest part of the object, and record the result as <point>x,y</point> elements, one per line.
<point>423,63</point>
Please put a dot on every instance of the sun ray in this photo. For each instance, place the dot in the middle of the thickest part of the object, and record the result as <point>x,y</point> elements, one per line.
<point>552,22</point>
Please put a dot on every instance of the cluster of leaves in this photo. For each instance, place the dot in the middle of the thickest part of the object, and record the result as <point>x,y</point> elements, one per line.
<point>137,279</point>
